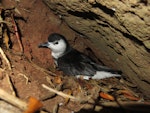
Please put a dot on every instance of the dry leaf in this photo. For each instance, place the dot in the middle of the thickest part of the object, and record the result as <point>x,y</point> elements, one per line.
<point>128,94</point>
<point>125,92</point>
<point>58,80</point>
<point>33,105</point>
<point>106,96</point>
<point>132,97</point>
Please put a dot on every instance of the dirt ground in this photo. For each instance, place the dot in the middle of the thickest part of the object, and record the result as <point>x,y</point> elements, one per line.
<point>32,68</point>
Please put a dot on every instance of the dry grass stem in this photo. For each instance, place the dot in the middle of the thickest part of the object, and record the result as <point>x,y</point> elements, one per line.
<point>27,79</point>
<point>52,94</point>
<point>5,58</point>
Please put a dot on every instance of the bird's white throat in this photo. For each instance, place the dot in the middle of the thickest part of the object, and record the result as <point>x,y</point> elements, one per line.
<point>57,55</point>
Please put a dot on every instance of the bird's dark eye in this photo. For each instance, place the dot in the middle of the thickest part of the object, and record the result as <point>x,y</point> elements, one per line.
<point>55,43</point>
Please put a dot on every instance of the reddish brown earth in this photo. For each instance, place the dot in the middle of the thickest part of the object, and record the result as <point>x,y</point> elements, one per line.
<point>27,73</point>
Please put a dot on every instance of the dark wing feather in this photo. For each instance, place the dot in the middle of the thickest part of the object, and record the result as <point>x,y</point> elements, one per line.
<point>75,63</point>
<point>100,67</point>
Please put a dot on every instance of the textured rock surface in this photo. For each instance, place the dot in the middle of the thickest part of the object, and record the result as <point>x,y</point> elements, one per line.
<point>120,29</point>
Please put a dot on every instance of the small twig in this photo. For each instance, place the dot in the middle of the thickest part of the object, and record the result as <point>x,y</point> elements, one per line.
<point>10,84</point>
<point>50,95</point>
<point>60,93</point>
<point>17,34</point>
<point>5,58</point>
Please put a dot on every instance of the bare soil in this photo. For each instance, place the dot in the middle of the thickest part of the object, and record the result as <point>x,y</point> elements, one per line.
<point>28,70</point>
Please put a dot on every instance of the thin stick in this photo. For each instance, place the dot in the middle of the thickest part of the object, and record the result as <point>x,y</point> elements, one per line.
<point>50,95</point>
<point>10,84</point>
<point>59,93</point>
<point>5,58</point>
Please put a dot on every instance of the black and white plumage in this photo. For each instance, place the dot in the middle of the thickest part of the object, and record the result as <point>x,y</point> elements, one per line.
<point>73,62</point>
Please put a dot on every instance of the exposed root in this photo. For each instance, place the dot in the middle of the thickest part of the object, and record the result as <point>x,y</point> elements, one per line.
<point>10,84</point>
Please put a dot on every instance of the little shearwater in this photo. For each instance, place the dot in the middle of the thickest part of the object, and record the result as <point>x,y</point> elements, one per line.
<point>73,62</point>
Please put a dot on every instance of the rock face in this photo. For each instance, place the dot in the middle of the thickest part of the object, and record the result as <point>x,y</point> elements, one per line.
<point>120,29</point>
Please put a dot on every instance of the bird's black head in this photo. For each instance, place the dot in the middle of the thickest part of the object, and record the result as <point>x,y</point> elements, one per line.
<point>57,43</point>
<point>55,36</point>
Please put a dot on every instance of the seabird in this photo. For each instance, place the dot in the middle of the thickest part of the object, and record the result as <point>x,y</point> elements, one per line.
<point>73,62</point>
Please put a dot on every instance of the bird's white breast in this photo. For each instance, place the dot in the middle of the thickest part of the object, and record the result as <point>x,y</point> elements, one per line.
<point>103,74</point>
<point>57,55</point>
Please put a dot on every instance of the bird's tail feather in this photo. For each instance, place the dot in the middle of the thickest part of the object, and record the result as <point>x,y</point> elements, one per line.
<point>103,74</point>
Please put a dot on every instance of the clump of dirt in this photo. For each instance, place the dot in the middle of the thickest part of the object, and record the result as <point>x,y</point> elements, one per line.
<point>35,66</point>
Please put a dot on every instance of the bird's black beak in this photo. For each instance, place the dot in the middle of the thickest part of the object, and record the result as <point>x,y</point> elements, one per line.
<point>44,45</point>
